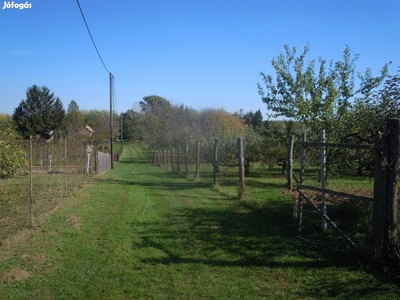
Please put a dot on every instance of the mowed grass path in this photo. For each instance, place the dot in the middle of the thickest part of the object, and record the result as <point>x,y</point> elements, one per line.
<point>140,232</point>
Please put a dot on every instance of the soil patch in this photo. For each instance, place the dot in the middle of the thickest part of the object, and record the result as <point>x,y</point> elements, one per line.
<point>74,221</point>
<point>14,275</point>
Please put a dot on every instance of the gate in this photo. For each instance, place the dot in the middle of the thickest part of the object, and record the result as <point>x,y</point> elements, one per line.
<point>352,190</point>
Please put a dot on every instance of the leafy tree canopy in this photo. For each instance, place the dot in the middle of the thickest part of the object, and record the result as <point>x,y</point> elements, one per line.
<point>74,120</point>
<point>39,113</point>
<point>99,120</point>
<point>154,102</point>
<point>320,95</point>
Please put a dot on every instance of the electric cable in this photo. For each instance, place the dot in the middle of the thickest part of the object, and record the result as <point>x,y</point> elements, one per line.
<point>94,44</point>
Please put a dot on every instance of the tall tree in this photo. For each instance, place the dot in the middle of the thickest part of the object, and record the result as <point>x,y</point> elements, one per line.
<point>226,127</point>
<point>163,124</point>
<point>130,123</point>
<point>74,120</point>
<point>39,113</point>
<point>254,119</point>
<point>320,97</point>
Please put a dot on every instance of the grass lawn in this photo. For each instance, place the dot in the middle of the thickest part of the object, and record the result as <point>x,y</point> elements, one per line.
<point>140,232</point>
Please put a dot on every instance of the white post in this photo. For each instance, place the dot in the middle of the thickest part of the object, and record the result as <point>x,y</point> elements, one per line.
<point>88,150</point>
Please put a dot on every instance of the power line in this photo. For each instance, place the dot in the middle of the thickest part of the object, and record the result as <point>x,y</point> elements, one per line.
<point>94,44</point>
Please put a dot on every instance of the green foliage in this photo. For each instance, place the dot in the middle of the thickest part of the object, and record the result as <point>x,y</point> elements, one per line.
<point>369,112</point>
<point>74,120</point>
<point>139,233</point>
<point>322,96</point>
<point>5,119</point>
<point>275,142</point>
<point>254,119</point>
<point>39,113</point>
<point>163,124</point>
<point>253,148</point>
<point>130,125</point>
<point>326,97</point>
<point>12,156</point>
<point>99,120</point>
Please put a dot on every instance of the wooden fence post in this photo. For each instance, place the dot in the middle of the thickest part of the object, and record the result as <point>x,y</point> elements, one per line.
<point>299,208</point>
<point>379,209</point>
<point>198,161</point>
<point>393,152</point>
<point>241,166</point>
<point>215,160</point>
<point>290,162</point>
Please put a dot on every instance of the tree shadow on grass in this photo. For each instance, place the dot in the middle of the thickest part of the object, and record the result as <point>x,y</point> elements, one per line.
<point>133,161</point>
<point>247,235</point>
<point>243,234</point>
<point>156,185</point>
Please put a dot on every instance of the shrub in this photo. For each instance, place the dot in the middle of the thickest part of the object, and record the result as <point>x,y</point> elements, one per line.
<point>12,156</point>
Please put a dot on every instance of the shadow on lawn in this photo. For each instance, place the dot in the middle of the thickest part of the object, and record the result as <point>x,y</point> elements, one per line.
<point>248,235</point>
<point>133,161</point>
<point>156,185</point>
<point>244,234</point>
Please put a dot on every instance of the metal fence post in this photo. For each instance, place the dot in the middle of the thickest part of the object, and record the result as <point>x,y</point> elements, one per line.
<point>302,173</point>
<point>31,180</point>
<point>66,163</point>
<point>290,162</point>
<point>323,180</point>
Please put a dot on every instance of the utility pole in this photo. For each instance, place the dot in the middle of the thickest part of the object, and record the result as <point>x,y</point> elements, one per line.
<point>111,124</point>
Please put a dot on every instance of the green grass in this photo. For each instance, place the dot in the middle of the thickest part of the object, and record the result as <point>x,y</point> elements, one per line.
<point>140,232</point>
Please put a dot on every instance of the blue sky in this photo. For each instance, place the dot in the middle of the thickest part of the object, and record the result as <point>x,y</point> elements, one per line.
<point>201,53</point>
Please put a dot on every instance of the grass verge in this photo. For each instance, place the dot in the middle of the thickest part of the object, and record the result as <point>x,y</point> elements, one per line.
<point>140,232</point>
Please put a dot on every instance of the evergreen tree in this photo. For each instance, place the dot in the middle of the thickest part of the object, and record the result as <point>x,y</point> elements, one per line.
<point>39,113</point>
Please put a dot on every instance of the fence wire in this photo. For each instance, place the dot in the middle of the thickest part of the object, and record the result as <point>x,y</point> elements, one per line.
<point>342,198</point>
<point>54,170</point>
<point>182,161</point>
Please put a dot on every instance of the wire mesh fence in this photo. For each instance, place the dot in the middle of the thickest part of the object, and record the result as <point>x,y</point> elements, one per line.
<point>339,186</point>
<point>54,170</point>
<point>197,161</point>
<point>350,195</point>
<point>337,189</point>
